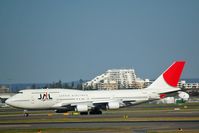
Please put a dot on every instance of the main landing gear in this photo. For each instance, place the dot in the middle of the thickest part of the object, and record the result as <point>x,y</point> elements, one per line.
<point>95,112</point>
<point>92,112</point>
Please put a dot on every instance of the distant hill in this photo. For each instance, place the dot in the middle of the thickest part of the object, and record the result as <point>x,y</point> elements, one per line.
<point>19,86</point>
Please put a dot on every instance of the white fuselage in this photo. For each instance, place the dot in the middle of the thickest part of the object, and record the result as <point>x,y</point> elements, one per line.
<point>55,98</point>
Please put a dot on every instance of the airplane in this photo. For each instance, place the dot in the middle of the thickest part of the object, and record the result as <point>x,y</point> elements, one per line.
<point>93,102</point>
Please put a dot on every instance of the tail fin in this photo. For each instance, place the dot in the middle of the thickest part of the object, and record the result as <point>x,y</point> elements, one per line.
<point>167,82</point>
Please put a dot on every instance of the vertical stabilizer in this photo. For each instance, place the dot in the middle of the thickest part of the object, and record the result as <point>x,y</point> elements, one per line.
<point>167,82</point>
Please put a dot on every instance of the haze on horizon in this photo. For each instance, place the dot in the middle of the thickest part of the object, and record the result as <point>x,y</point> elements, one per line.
<point>45,41</point>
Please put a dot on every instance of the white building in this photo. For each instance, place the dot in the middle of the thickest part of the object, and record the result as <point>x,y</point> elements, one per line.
<point>4,89</point>
<point>115,79</point>
<point>183,84</point>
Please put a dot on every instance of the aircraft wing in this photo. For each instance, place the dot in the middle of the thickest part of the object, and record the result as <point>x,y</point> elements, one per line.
<point>96,104</point>
<point>64,104</point>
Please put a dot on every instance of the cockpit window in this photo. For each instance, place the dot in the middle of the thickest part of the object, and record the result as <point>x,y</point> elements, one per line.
<point>20,92</point>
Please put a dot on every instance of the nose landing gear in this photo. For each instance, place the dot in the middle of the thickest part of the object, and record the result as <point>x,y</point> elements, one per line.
<point>26,114</point>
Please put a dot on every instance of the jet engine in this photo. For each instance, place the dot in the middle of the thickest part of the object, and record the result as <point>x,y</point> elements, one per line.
<point>183,95</point>
<point>113,105</point>
<point>81,108</point>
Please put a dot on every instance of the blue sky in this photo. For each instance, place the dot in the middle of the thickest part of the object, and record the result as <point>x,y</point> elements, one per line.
<point>48,40</point>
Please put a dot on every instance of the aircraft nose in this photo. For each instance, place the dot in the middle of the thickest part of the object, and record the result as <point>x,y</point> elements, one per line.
<point>8,101</point>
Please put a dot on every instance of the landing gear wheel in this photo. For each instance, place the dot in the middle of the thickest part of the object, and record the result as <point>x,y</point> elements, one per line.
<point>26,114</point>
<point>95,112</point>
<point>83,113</point>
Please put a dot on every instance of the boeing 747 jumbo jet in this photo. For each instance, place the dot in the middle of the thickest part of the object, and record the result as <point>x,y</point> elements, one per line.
<point>63,100</point>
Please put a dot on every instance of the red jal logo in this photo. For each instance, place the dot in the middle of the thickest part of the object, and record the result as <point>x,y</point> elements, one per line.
<point>45,96</point>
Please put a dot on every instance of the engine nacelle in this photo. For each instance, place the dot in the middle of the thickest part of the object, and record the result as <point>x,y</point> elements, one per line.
<point>81,108</point>
<point>183,95</point>
<point>113,105</point>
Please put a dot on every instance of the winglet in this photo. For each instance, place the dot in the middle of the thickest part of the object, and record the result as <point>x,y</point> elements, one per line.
<point>173,73</point>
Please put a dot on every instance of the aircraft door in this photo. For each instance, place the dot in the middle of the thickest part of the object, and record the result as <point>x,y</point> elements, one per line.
<point>32,100</point>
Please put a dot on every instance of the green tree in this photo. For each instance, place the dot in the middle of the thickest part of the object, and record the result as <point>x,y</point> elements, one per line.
<point>33,86</point>
<point>66,86</point>
<point>72,85</point>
